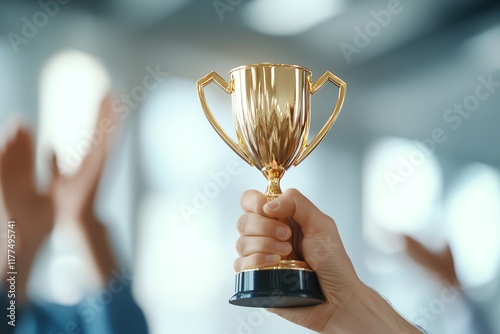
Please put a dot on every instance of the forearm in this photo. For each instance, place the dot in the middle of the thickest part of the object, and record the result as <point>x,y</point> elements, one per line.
<point>99,245</point>
<point>368,312</point>
<point>18,282</point>
<point>24,263</point>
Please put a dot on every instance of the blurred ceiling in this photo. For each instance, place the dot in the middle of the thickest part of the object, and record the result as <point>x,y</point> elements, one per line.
<point>417,64</point>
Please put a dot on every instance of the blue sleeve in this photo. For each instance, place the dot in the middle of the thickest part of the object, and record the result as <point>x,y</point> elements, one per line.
<point>5,327</point>
<point>34,318</point>
<point>111,311</point>
<point>105,312</point>
<point>43,317</point>
<point>480,321</point>
<point>125,316</point>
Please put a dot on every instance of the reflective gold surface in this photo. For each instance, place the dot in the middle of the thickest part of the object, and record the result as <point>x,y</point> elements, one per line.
<point>288,264</point>
<point>271,114</point>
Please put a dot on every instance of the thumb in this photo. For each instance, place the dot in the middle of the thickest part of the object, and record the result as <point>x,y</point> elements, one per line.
<point>56,173</point>
<point>419,253</point>
<point>293,204</point>
<point>440,263</point>
<point>321,245</point>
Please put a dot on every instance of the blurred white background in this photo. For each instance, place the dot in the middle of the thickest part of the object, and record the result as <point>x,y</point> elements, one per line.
<point>414,151</point>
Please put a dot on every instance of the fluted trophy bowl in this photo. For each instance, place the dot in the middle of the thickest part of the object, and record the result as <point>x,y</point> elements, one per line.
<point>271,112</point>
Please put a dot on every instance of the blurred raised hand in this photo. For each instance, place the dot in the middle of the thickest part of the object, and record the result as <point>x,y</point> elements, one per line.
<point>441,264</point>
<point>69,198</point>
<point>74,195</point>
<point>31,210</point>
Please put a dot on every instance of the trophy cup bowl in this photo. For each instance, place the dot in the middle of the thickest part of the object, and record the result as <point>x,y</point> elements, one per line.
<point>271,114</point>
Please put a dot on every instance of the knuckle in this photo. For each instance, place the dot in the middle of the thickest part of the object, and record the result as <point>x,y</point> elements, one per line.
<point>241,223</point>
<point>263,244</point>
<point>252,224</point>
<point>261,224</point>
<point>292,192</point>
<point>255,260</point>
<point>237,265</point>
<point>240,244</point>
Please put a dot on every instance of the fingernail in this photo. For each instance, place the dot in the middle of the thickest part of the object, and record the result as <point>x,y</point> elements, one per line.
<point>283,247</point>
<point>273,205</point>
<point>282,232</point>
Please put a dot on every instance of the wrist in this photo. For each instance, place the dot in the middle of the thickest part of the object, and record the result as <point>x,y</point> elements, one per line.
<point>86,216</point>
<point>368,312</point>
<point>96,237</point>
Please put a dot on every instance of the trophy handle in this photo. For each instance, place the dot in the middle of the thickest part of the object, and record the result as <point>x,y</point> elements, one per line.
<point>228,88</point>
<point>313,88</point>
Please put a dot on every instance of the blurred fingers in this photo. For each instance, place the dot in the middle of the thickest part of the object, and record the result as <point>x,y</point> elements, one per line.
<point>256,260</point>
<point>252,245</point>
<point>257,225</point>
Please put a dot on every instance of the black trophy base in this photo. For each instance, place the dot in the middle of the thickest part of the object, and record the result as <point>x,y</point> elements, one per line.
<point>277,288</point>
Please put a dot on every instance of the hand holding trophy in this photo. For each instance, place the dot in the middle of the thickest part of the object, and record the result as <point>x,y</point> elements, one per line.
<point>271,113</point>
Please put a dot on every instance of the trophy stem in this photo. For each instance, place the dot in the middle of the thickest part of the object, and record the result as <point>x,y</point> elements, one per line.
<point>273,175</point>
<point>273,189</point>
<point>295,259</point>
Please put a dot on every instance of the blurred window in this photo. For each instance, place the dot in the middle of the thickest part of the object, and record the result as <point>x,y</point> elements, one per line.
<point>402,189</point>
<point>473,221</point>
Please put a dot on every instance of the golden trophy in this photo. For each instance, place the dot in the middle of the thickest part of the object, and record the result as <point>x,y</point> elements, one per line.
<point>271,113</point>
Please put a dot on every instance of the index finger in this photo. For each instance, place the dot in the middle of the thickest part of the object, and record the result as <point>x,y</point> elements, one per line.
<point>253,201</point>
